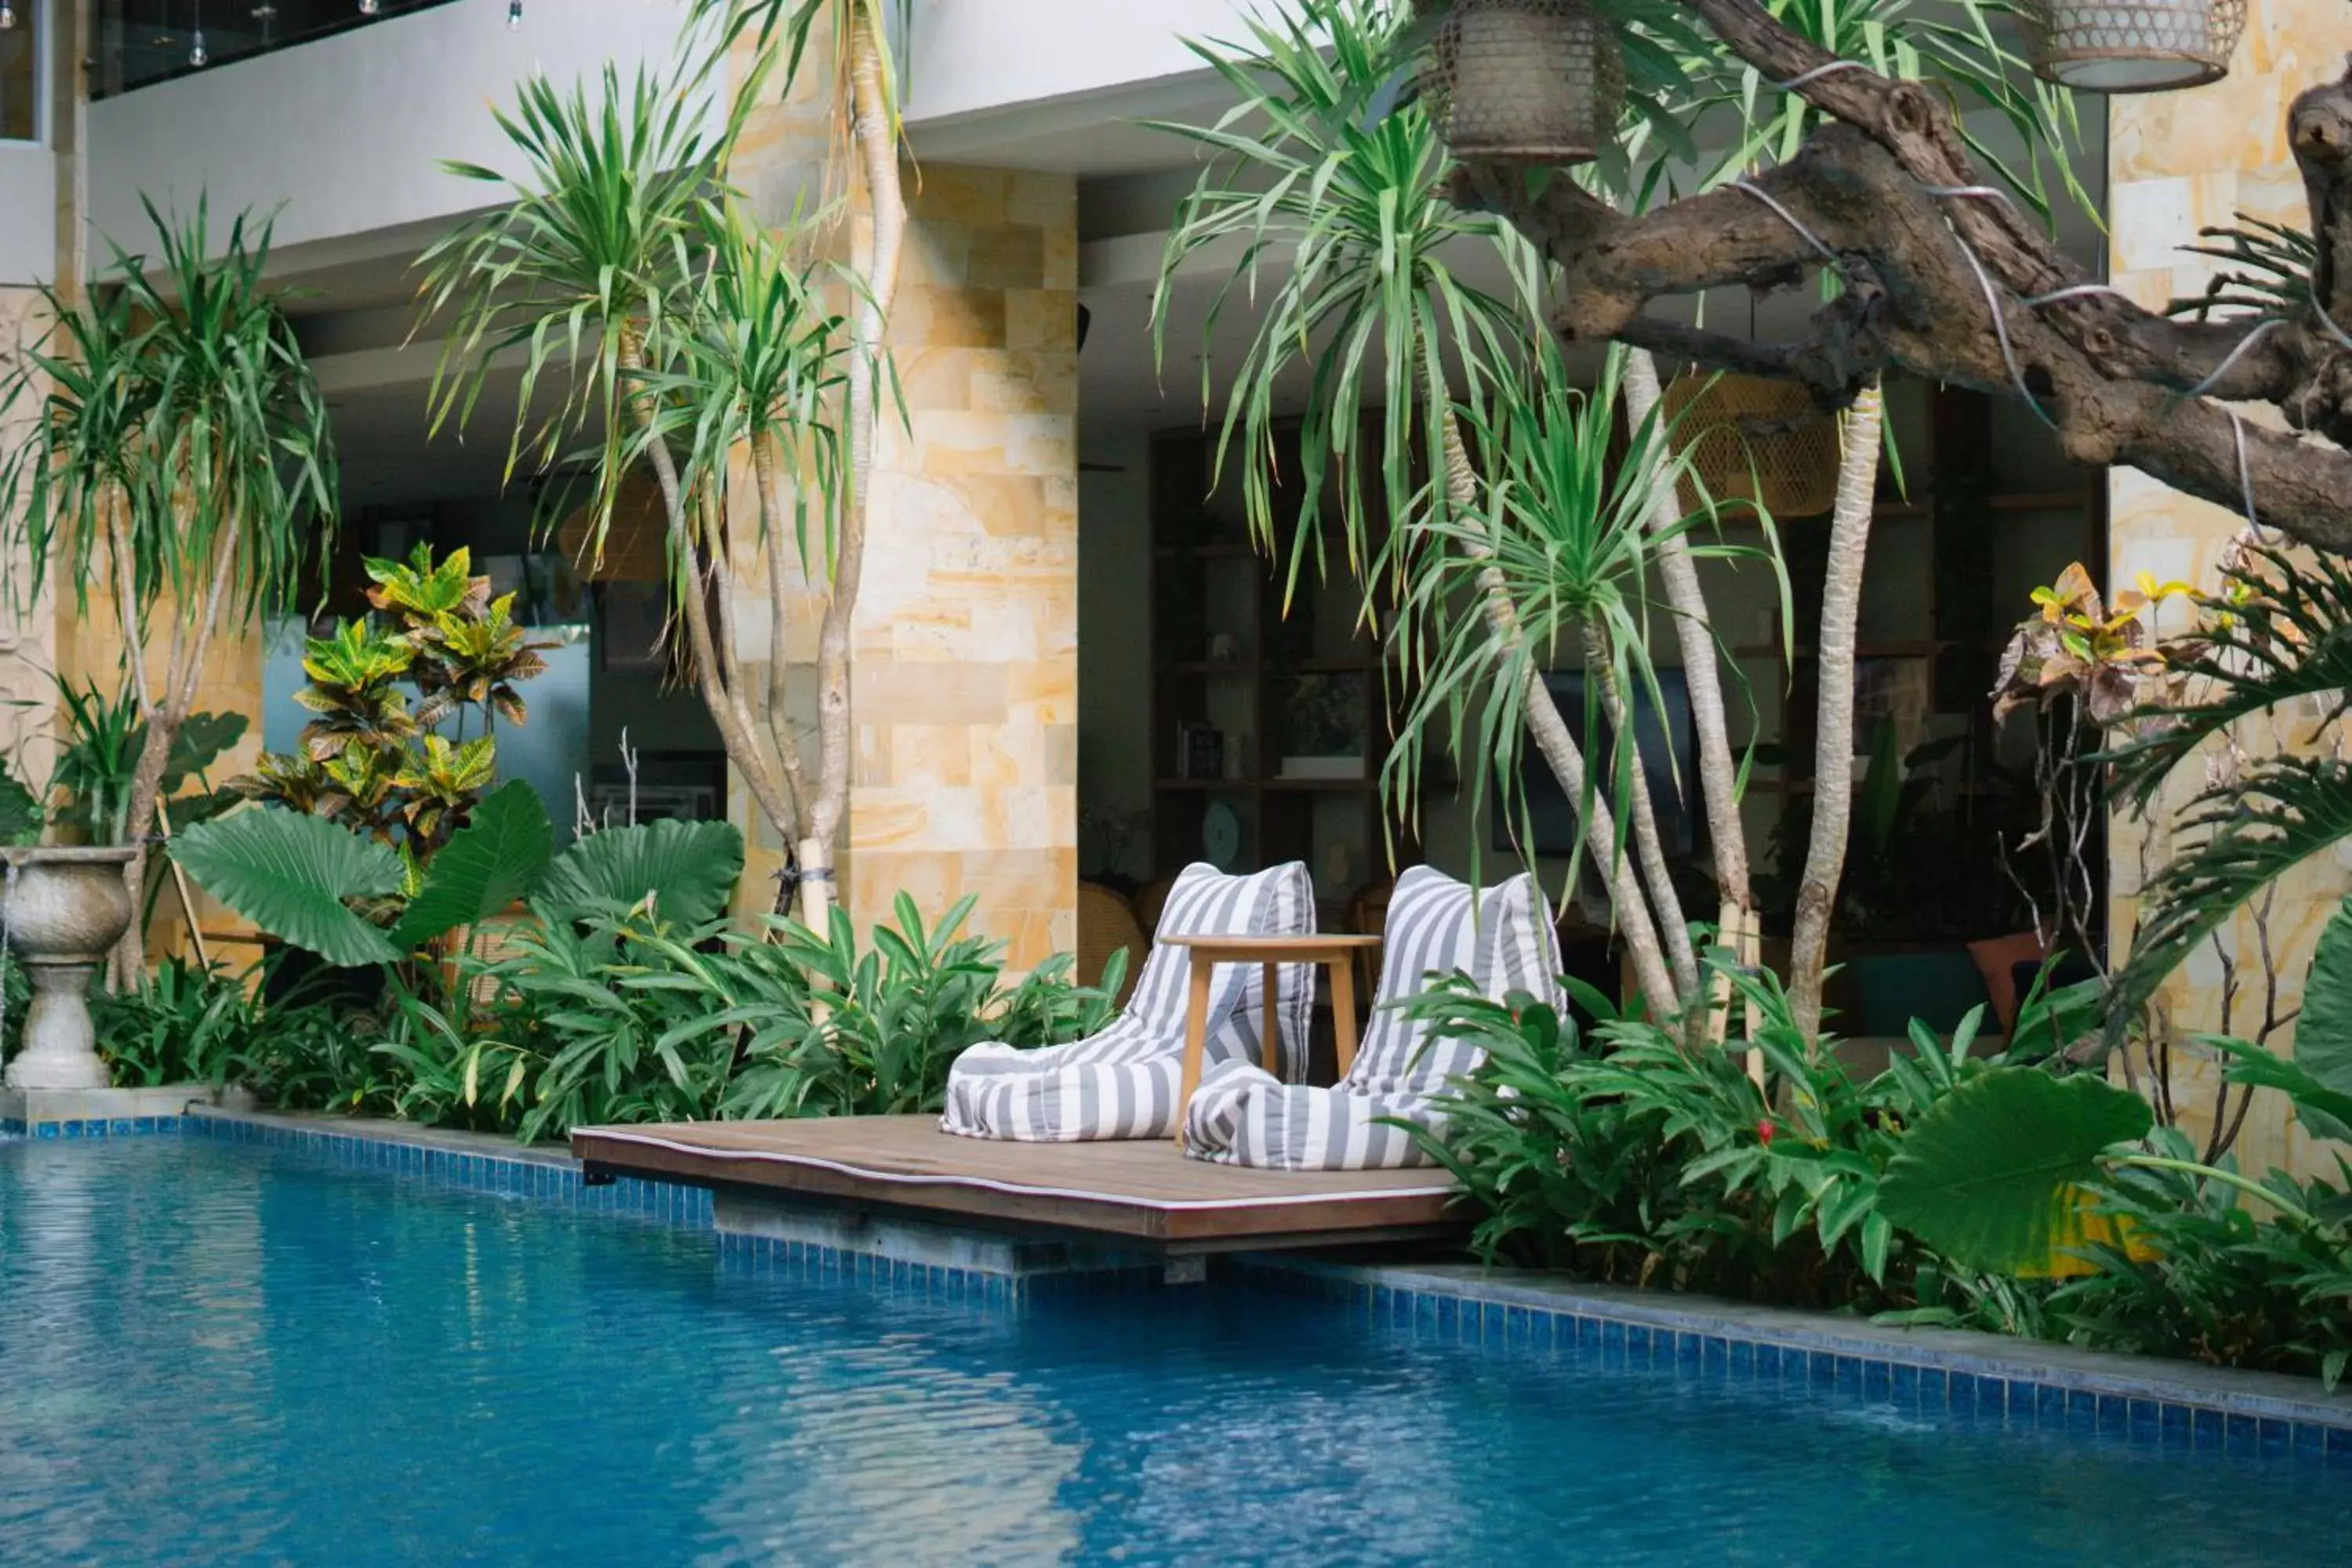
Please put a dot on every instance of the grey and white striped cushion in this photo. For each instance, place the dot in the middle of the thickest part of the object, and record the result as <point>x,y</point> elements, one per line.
<point>1501,937</point>
<point>1123,1082</point>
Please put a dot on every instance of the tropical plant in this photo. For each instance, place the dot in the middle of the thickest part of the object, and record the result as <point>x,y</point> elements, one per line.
<point>1635,1156</point>
<point>369,760</point>
<point>1327,194</point>
<point>189,1024</point>
<point>180,452</point>
<point>708,336</point>
<point>97,765</point>
<point>2029,1172</point>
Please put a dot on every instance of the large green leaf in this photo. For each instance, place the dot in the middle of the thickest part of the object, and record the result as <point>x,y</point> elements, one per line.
<point>686,870</point>
<point>290,874</point>
<point>2324,1110</point>
<point>2256,826</point>
<point>498,856</point>
<point>1989,1177</point>
<point>20,813</point>
<point>2322,1035</point>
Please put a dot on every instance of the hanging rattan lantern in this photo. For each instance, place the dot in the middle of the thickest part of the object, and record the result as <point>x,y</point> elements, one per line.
<point>2135,46</point>
<point>1524,81</point>
<point>1749,439</point>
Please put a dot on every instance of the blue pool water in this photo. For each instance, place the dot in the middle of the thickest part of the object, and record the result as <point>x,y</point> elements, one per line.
<point>216,1352</point>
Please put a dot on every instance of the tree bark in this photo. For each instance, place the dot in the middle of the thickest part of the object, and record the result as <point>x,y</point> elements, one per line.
<point>1718,776</point>
<point>1642,819</point>
<point>1557,747</point>
<point>1833,740</point>
<point>191,640</point>
<point>713,664</point>
<point>1959,289</point>
<point>874,132</point>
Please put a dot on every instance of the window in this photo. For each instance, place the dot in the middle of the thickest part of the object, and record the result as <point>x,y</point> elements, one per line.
<point>20,74</point>
<point>140,42</point>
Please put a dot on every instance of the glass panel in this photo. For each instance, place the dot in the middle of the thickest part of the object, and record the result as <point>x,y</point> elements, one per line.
<point>20,77</point>
<point>140,42</point>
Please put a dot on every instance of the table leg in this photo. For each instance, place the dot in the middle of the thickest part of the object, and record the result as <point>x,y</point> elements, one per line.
<point>1196,1039</point>
<point>1343,1014</point>
<point>1270,1024</point>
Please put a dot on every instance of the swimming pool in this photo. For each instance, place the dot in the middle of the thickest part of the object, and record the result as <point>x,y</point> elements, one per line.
<point>222,1353</point>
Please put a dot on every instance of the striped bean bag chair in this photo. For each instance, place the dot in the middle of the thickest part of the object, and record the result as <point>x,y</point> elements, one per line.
<point>1501,937</point>
<point>1123,1082</point>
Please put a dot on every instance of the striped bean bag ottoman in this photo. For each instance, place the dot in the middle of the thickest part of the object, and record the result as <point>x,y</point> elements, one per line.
<point>1501,937</point>
<point>1123,1082</point>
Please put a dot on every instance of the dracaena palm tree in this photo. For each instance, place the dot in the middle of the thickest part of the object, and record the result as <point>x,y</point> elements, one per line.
<point>1330,206</point>
<point>180,460</point>
<point>854,41</point>
<point>683,335</point>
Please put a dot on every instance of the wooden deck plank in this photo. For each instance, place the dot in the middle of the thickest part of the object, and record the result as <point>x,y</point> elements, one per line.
<point>1145,1188</point>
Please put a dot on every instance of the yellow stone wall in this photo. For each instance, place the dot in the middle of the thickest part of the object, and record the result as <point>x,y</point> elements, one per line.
<point>2179,163</point>
<point>27,625</point>
<point>966,681</point>
<point>964,658</point>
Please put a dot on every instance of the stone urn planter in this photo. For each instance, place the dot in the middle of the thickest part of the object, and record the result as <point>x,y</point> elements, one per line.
<point>61,913</point>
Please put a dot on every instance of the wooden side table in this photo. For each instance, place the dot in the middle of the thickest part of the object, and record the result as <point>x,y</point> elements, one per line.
<point>1335,953</point>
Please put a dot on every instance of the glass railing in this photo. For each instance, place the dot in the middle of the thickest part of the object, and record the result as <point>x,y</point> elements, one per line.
<point>141,42</point>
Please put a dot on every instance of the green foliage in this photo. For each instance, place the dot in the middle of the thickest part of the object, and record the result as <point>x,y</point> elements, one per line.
<point>21,818</point>
<point>1636,1158</point>
<point>172,410</point>
<point>618,1019</point>
<point>1992,1176</point>
<point>874,1034</point>
<point>574,261</point>
<point>2278,632</point>
<point>682,871</point>
<point>295,877</point>
<point>494,860</point>
<point>2323,1032</point>
<point>368,759</point>
<point>2243,833</point>
<point>2210,1276</point>
<point>1564,531</point>
<point>1314,167</point>
<point>186,1025</point>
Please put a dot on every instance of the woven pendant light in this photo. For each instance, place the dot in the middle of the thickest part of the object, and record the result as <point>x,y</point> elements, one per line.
<point>2134,46</point>
<point>1524,81</point>
<point>1750,439</point>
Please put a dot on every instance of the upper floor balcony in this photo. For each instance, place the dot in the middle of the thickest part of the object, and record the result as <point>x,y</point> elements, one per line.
<point>340,122</point>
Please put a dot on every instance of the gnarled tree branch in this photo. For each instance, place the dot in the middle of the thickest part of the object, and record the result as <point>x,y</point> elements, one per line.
<point>1952,282</point>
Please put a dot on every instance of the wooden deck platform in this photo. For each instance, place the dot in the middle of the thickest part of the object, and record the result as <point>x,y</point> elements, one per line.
<point>1144,1191</point>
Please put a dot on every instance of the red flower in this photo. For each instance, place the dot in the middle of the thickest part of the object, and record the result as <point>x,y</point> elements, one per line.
<point>1764,1131</point>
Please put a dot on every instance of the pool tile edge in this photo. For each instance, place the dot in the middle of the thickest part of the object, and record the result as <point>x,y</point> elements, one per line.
<point>1480,1307</point>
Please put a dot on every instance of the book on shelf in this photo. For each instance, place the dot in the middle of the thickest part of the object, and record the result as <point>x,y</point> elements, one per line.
<point>1200,752</point>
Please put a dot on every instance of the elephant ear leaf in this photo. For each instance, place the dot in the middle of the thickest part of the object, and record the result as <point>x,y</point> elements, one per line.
<point>2323,1111</point>
<point>290,874</point>
<point>498,856</point>
<point>2322,1035</point>
<point>1992,1176</point>
<point>685,871</point>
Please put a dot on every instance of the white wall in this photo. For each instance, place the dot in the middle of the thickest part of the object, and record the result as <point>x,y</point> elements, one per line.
<point>29,212</point>
<point>969,56</point>
<point>348,132</point>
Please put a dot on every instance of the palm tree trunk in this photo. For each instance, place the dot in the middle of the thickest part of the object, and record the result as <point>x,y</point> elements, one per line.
<point>713,661</point>
<point>191,640</point>
<point>1718,776</point>
<point>1649,845</point>
<point>1737,927</point>
<point>1559,752</point>
<point>874,135</point>
<point>1833,742</point>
